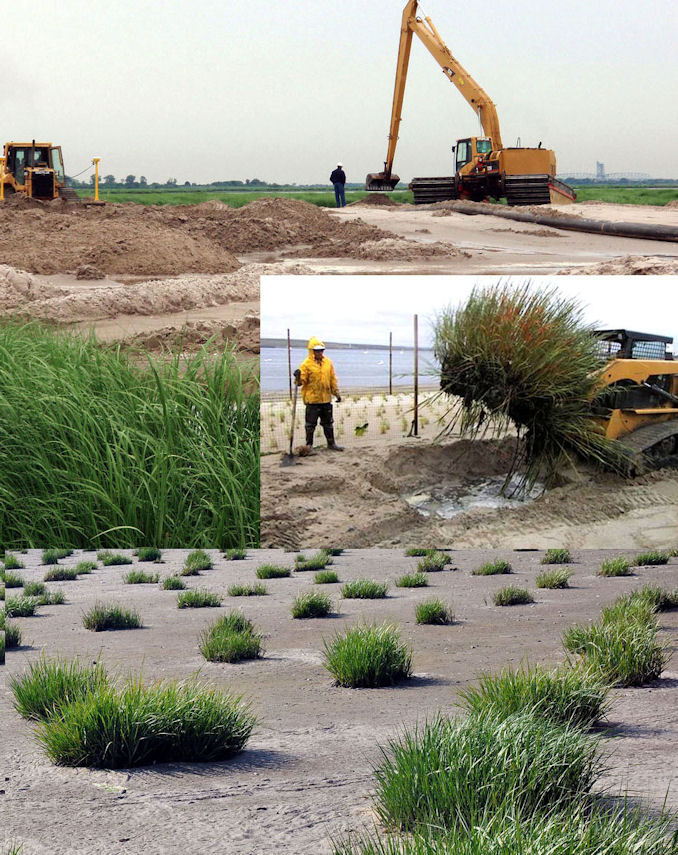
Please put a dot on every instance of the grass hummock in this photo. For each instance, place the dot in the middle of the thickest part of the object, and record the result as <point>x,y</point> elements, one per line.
<point>312,604</point>
<point>148,553</point>
<point>556,556</point>
<point>11,631</point>
<point>35,589</point>
<point>434,562</point>
<point>112,559</point>
<point>433,611</point>
<point>231,638</point>
<point>11,562</point>
<point>47,686</point>
<point>50,556</point>
<point>140,725</point>
<point>83,568</point>
<point>198,598</point>
<point>20,606</point>
<point>235,554</point>
<point>61,574</point>
<point>326,577</point>
<point>196,562</point>
<point>412,580</point>
<point>173,583</point>
<point>256,590</point>
<point>618,566</point>
<point>368,656</point>
<point>563,695</point>
<point>272,571</point>
<point>314,562</point>
<point>553,579</point>
<point>364,589</point>
<point>493,568</point>
<point>13,580</point>
<point>512,596</point>
<point>651,559</point>
<point>104,616</point>
<point>139,577</point>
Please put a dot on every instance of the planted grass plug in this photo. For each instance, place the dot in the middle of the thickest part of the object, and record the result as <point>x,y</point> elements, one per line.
<point>139,577</point>
<point>553,579</point>
<point>412,580</point>
<point>173,583</point>
<point>20,606</point>
<point>368,656</point>
<point>48,685</point>
<point>112,559</point>
<point>618,566</point>
<point>433,611</point>
<point>11,562</point>
<point>231,638</point>
<point>105,616</point>
<point>433,563</point>
<point>13,580</point>
<point>196,562</point>
<point>314,562</point>
<point>493,568</point>
<point>257,590</point>
<point>84,568</point>
<point>272,571</point>
<point>312,604</point>
<point>326,577</point>
<point>198,599</point>
<point>61,574</point>
<point>12,634</point>
<point>364,589</point>
<point>556,556</point>
<point>139,725</point>
<point>50,556</point>
<point>512,596</point>
<point>563,695</point>
<point>235,554</point>
<point>651,559</point>
<point>148,553</point>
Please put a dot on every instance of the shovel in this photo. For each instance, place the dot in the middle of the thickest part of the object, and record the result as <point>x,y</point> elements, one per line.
<point>288,459</point>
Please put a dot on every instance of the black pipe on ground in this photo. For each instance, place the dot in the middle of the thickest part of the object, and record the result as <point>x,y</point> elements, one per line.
<point>645,231</point>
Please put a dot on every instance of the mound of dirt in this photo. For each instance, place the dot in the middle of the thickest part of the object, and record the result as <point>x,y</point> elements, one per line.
<point>397,249</point>
<point>633,265</point>
<point>243,333</point>
<point>380,200</point>
<point>673,204</point>
<point>88,272</point>
<point>17,287</point>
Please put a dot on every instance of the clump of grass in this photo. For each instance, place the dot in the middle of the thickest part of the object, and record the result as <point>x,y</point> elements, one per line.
<point>198,599</point>
<point>47,686</point>
<point>232,638</point>
<point>61,574</point>
<point>368,656</point>
<point>11,562</point>
<point>272,571</point>
<point>554,579</point>
<point>2,592</point>
<point>418,552</point>
<point>314,562</point>
<point>247,590</point>
<point>663,600</point>
<point>512,596</point>
<point>364,589</point>
<point>412,580</point>
<point>449,774</point>
<point>333,550</point>
<point>433,611</point>
<point>12,634</point>
<point>196,561</point>
<point>326,577</point>
<point>139,577</point>
<point>556,556</point>
<point>563,695</point>
<point>13,580</point>
<point>173,583</point>
<point>622,652</point>
<point>493,568</point>
<point>63,553</point>
<point>631,607</point>
<point>433,563</point>
<point>83,568</point>
<point>312,604</point>
<point>183,427</point>
<point>650,559</point>
<point>618,566</point>
<point>52,598</point>
<point>139,725</point>
<point>235,554</point>
<point>112,559</point>
<point>104,616</point>
<point>35,589</point>
<point>20,606</point>
<point>50,556</point>
<point>148,553</point>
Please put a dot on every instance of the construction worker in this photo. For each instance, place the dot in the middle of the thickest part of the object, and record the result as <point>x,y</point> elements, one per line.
<point>318,382</point>
<point>338,179</point>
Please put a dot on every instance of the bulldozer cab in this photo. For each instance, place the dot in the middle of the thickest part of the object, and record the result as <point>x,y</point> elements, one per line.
<point>34,169</point>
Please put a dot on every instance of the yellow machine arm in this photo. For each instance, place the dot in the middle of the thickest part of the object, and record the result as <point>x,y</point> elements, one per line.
<point>472,92</point>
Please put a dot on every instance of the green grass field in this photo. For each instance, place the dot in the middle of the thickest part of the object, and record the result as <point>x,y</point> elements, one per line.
<point>325,198</point>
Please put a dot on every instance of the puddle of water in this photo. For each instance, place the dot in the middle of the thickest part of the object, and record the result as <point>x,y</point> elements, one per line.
<point>485,493</point>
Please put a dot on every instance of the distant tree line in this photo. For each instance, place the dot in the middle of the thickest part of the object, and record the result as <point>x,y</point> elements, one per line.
<point>130,182</point>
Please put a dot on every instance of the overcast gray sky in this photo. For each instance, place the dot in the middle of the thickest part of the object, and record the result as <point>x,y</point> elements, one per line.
<point>364,309</point>
<point>281,91</point>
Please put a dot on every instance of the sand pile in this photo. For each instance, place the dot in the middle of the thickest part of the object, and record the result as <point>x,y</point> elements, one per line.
<point>116,239</point>
<point>633,265</point>
<point>397,249</point>
<point>17,287</point>
<point>673,204</point>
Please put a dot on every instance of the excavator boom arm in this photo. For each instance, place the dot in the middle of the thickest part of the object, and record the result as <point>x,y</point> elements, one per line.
<point>472,92</point>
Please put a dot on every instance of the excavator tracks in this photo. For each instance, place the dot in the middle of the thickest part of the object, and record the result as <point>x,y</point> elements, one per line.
<point>527,189</point>
<point>652,447</point>
<point>429,190</point>
<point>69,194</point>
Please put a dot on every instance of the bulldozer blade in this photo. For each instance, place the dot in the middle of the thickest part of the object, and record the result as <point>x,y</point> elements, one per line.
<point>380,181</point>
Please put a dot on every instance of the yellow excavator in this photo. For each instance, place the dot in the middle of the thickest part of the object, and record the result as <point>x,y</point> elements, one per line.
<point>36,170</point>
<point>638,404</point>
<point>484,168</point>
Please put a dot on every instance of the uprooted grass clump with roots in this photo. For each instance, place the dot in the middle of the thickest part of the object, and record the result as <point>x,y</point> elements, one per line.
<point>185,432</point>
<point>368,656</point>
<point>521,358</point>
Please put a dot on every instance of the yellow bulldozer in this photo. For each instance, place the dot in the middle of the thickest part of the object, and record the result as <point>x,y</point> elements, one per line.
<point>484,168</point>
<point>638,403</point>
<point>35,170</point>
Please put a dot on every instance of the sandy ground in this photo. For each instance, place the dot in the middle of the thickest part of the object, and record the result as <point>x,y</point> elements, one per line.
<point>306,773</point>
<point>357,498</point>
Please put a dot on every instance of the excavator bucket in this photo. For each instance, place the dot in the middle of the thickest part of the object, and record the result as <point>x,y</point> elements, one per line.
<point>381,181</point>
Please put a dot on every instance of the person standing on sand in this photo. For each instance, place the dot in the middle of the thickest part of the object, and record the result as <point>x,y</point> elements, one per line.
<point>318,381</point>
<point>338,179</point>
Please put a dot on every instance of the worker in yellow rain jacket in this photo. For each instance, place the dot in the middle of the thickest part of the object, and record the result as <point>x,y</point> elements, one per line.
<point>318,381</point>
